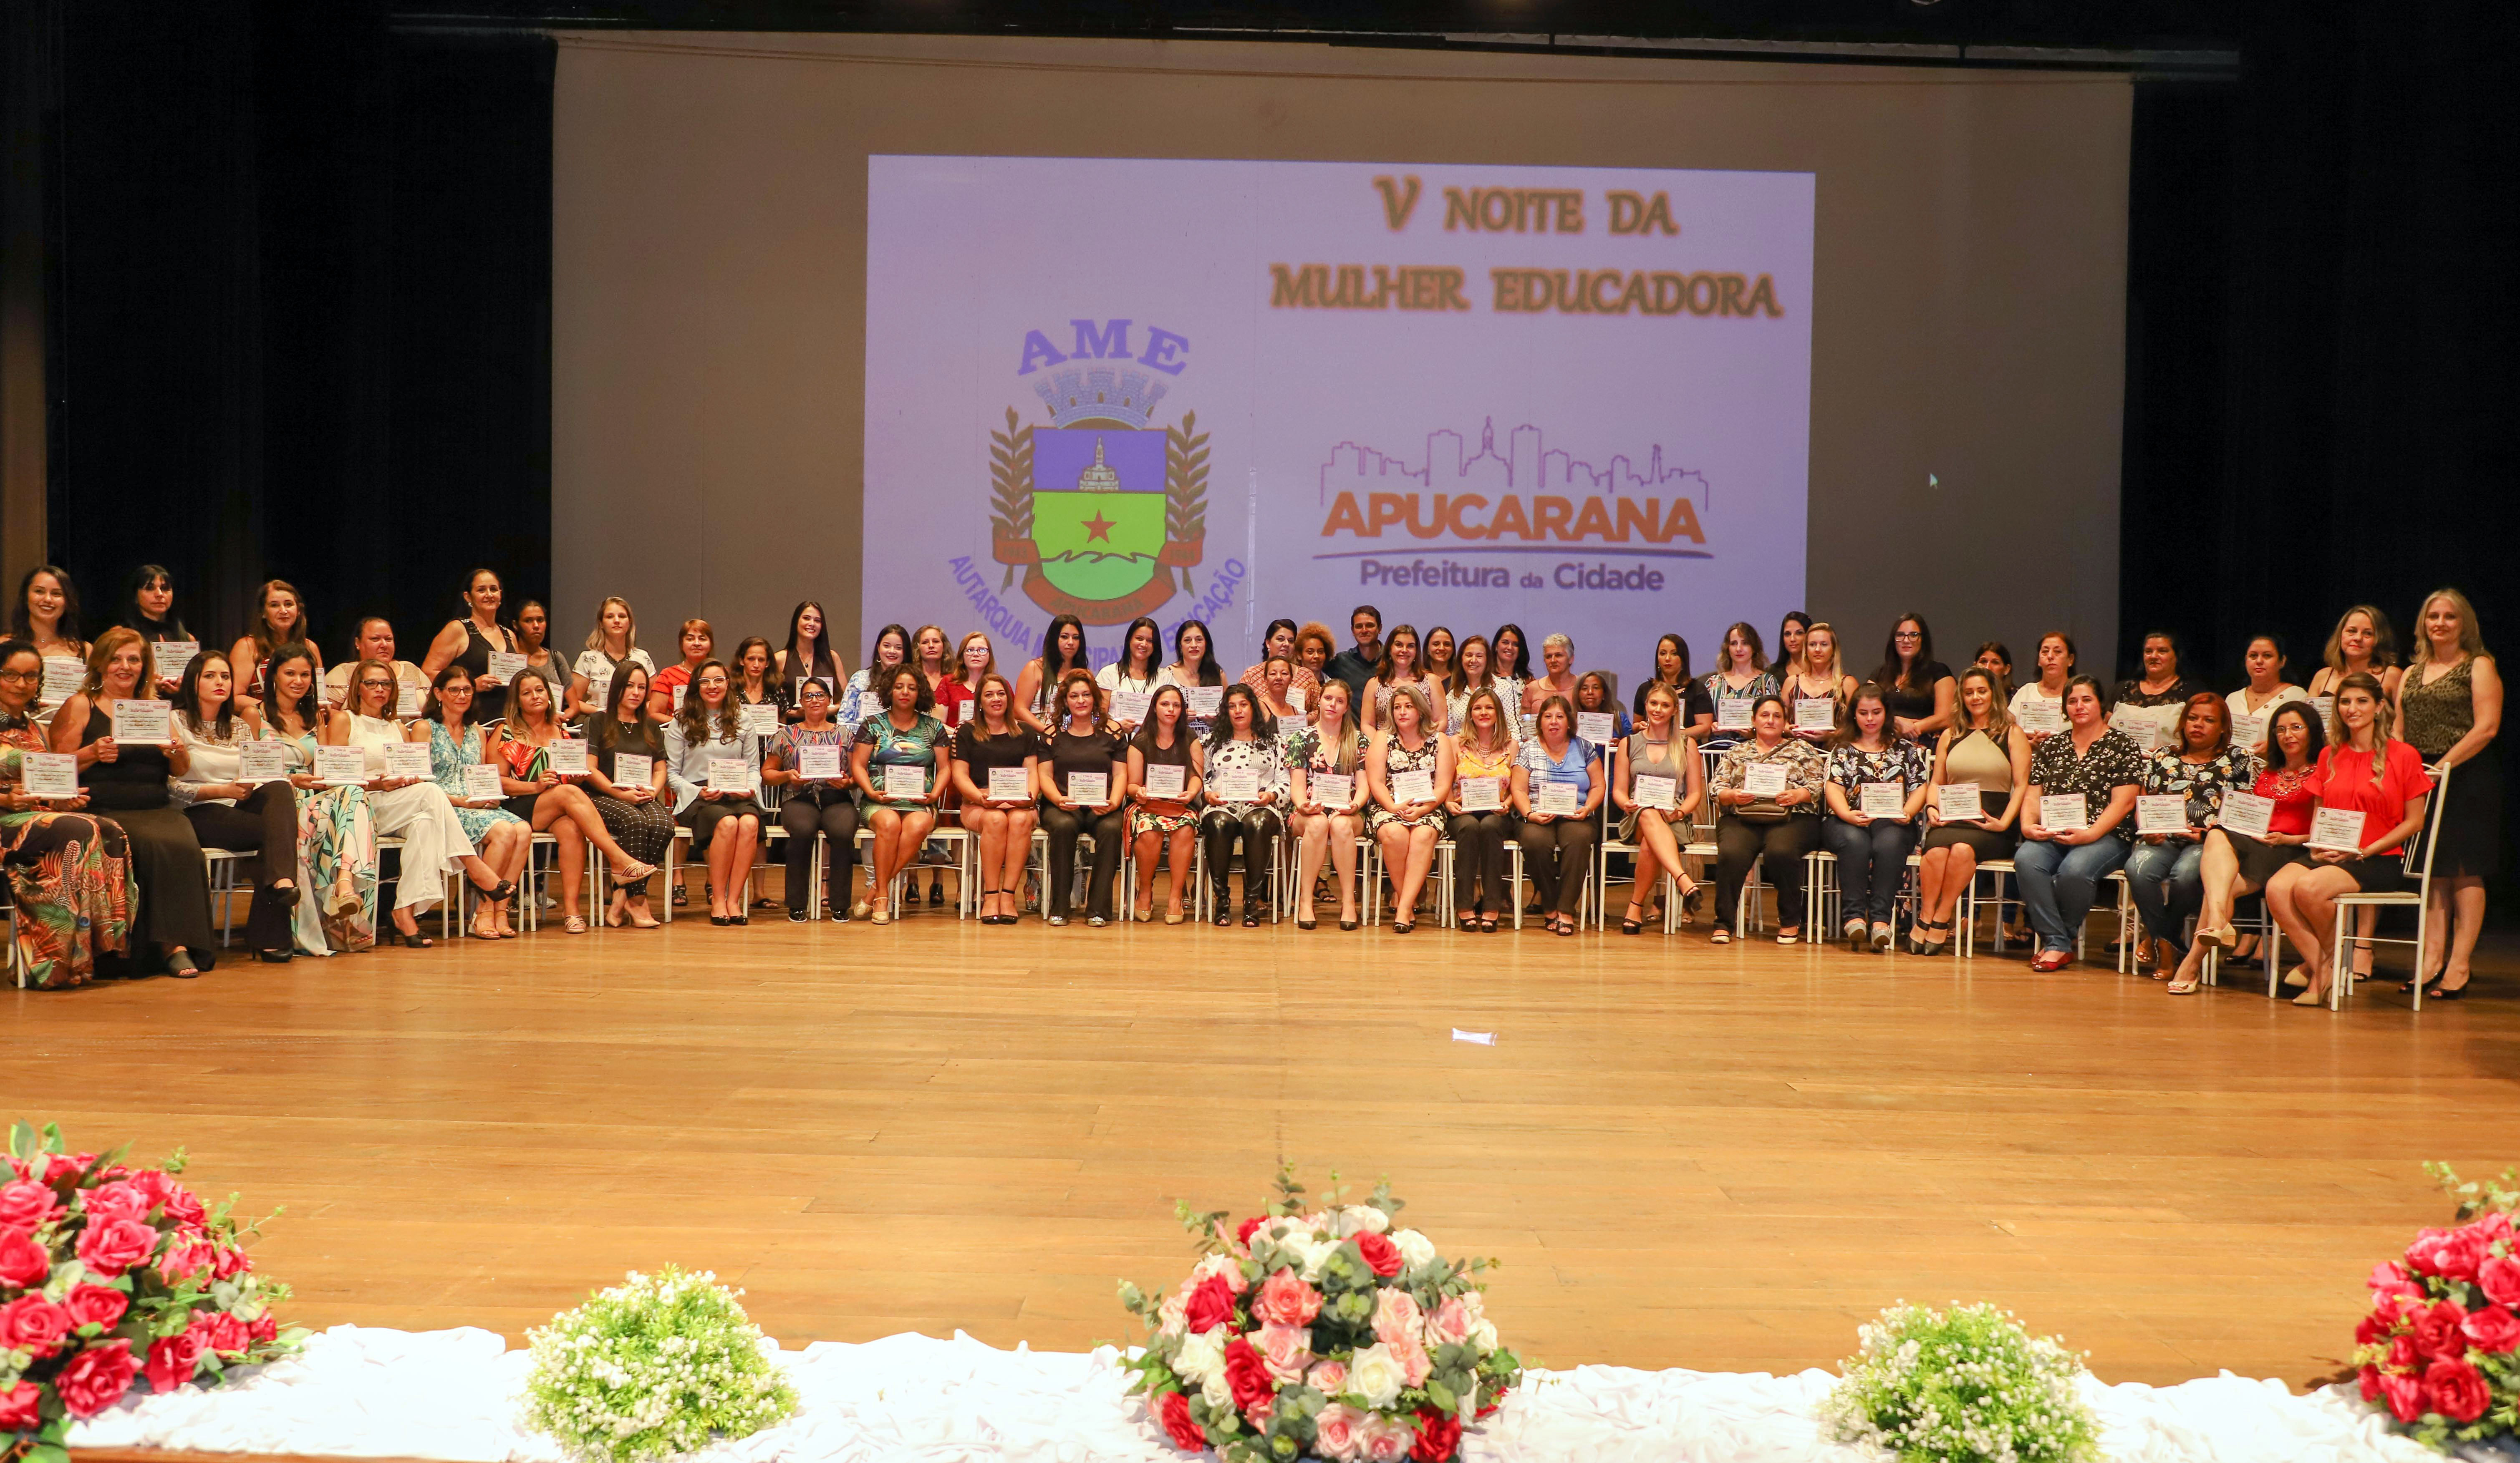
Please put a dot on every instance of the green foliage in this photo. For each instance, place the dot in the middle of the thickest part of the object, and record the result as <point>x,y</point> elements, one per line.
<point>655,1366</point>
<point>2500,1195</point>
<point>1966,1386</point>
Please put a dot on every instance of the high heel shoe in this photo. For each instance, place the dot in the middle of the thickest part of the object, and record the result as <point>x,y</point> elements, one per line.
<point>1630,923</point>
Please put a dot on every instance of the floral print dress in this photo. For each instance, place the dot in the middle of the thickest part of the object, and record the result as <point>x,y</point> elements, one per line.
<point>69,876</point>
<point>337,860</point>
<point>447,760</point>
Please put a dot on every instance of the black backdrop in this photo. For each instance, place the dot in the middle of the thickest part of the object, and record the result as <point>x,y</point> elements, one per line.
<point>301,324</point>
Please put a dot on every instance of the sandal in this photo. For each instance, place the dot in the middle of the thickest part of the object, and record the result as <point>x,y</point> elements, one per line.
<point>575,924</point>
<point>1632,923</point>
<point>2183,986</point>
<point>1722,936</point>
<point>1487,924</point>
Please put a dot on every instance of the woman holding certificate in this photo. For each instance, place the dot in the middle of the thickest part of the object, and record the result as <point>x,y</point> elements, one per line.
<point>47,617</point>
<point>1918,689</point>
<point>2038,707</point>
<point>406,801</point>
<point>1878,785</point>
<point>149,607</point>
<point>337,839</point>
<point>1129,682</point>
<point>1818,693</point>
<point>464,759</point>
<point>1738,685</point>
<point>899,764</point>
<point>1280,702</point>
<point>1163,784</point>
<point>671,687</point>
<point>995,757</point>
<point>626,769</point>
<point>958,697</point>
<point>280,619</point>
<point>1481,806</point>
<point>1768,788</point>
<point>1329,794</point>
<point>2075,824</point>
<point>1083,786</point>
<point>613,644</point>
<point>1594,696</point>
<point>127,751</point>
<point>1280,643</point>
<point>2160,690</point>
<point>486,648</point>
<point>1195,671</point>
<point>537,793</point>
<point>1661,783</point>
<point>1062,649</point>
<point>808,657</point>
<point>712,764</point>
<point>256,818</point>
<point>1981,770</point>
<point>1557,787</point>
<point>1245,769</point>
<point>2182,799</point>
<point>70,872</point>
<point>2372,789</point>
<point>861,700</point>
<point>2257,834</point>
<point>2450,707</point>
<point>2251,705</point>
<point>808,761</point>
<point>1409,770</point>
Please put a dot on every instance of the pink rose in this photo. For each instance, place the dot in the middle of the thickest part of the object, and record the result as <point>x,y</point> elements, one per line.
<point>2419,1255</point>
<point>1285,1299</point>
<point>1329,1378</point>
<point>96,1378</point>
<point>1381,1255</point>
<point>115,1201</point>
<point>95,1306</point>
<point>32,1323</point>
<point>2405,1394</point>
<point>24,1205</point>
<point>1387,1440</point>
<point>1396,1318</point>
<point>2455,1255</point>
<point>185,1259</point>
<point>2500,1279</point>
<point>22,1408</point>
<point>172,1360</point>
<point>115,1246</point>
<point>1450,1323</point>
<point>184,1207</point>
<point>233,1262</point>
<point>2493,1329</point>
<point>1335,1432</point>
<point>1415,1364</point>
<point>2390,1278</point>
<point>222,1332</point>
<point>1287,1350</point>
<point>1210,1306</point>
<point>2458,1391</point>
<point>23,1262</point>
<point>2437,1332</point>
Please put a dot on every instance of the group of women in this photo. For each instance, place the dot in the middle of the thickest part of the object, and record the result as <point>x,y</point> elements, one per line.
<point>1404,741</point>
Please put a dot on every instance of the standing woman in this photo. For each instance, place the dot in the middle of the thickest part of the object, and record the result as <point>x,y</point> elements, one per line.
<point>1244,740</point>
<point>1983,745</point>
<point>1408,822</point>
<point>2366,771</point>
<point>1441,666</point>
<point>1775,830</point>
<point>755,679</point>
<point>991,740</point>
<point>958,697</point>
<point>2235,866</point>
<point>1484,750</point>
<point>2160,689</point>
<point>1280,702</point>
<point>613,644</point>
<point>1403,664</point>
<point>1821,679</point>
<point>808,806</point>
<point>632,807</point>
<point>861,700</point>
<point>2450,705</point>
<point>725,826</point>
<point>1137,672</point>
<point>533,636</point>
<point>1918,689</point>
<point>1333,747</point>
<point>2265,661</point>
<point>257,819</point>
<point>1512,660</point>
<point>808,655</point>
<point>1314,648</point>
<point>2363,641</point>
<point>469,640</point>
<point>1195,664</point>
<point>1558,847</point>
<point>456,739</point>
<point>279,619</point>
<point>2061,869</point>
<point>70,872</point>
<point>2056,658</point>
<point>1558,654</point>
<point>1475,672</point>
<point>928,655</point>
<point>1082,743</point>
<point>1790,648</point>
<point>337,839</point>
<point>673,686</point>
<point>2166,872</point>
<point>1658,749</point>
<point>551,804</point>
<point>1743,675</point>
<point>149,605</point>
<point>1284,642</point>
<point>1062,649</point>
<point>47,617</point>
<point>1996,656</point>
<point>128,784</point>
<point>906,733</point>
<point>1872,849</point>
<point>1593,694</point>
<point>1161,825</point>
<point>1697,715</point>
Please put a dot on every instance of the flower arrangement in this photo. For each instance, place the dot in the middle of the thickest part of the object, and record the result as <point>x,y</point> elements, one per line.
<point>1324,1333</point>
<point>1963,1385</point>
<point>2440,1347</point>
<point>658,1365</point>
<point>110,1276</point>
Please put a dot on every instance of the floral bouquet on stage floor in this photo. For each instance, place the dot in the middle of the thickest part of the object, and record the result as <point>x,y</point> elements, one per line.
<point>1325,1333</point>
<point>111,1275</point>
<point>2441,1344</point>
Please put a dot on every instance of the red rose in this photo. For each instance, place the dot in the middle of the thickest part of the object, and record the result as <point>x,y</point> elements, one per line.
<point>115,1201</point>
<point>2373,1329</point>
<point>65,1167</point>
<point>1381,1255</point>
<point>1244,1231</point>
<point>222,1332</point>
<point>172,1360</point>
<point>184,1207</point>
<point>2458,1391</point>
<point>2402,1351</point>
<point>95,1306</point>
<point>265,1329</point>
<point>2493,1329</point>
<point>185,1259</point>
<point>115,1246</point>
<point>96,1378</point>
<point>156,1183</point>
<point>1172,1409</point>
<point>2456,1254</point>
<point>24,1205</point>
<point>1439,1435</point>
<point>233,1262</point>
<point>32,1323</point>
<point>2500,1279</point>
<point>2370,1376</point>
<point>23,1262</point>
<point>2437,1332</point>
<point>1210,1306</point>
<point>1246,1372</point>
<point>22,1407</point>
<point>2405,1394</point>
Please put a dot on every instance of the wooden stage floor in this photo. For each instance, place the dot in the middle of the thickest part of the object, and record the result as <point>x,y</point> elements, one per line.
<point>1721,1159</point>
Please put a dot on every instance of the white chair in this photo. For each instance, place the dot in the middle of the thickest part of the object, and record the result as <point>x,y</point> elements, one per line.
<point>2418,863</point>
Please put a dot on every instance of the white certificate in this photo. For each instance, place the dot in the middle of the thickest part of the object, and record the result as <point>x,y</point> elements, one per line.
<point>1010,784</point>
<point>1482,794</point>
<point>1815,714</point>
<point>142,723</point>
<point>1958,802</point>
<point>2041,715</point>
<point>1093,789</point>
<point>408,759</point>
<point>1595,726</point>
<point>337,694</point>
<point>2337,828</point>
<point>904,780</point>
<point>52,774</point>
<point>1556,797</point>
<point>263,760</point>
<point>2139,724</point>
<point>730,774</point>
<point>1204,700</point>
<point>568,756</point>
<point>1129,707</point>
<point>506,665</point>
<point>759,717</point>
<point>341,767</point>
<point>1764,779</point>
<point>1881,799</point>
<point>864,706</point>
<point>1165,781</point>
<point>1295,698</point>
<point>2248,730</point>
<point>2064,812</point>
<point>2161,813</point>
<point>1234,785</point>
<point>408,702</point>
<point>2248,814</point>
<point>1416,785</point>
<point>482,780</point>
<point>1661,793</point>
<point>62,678</point>
<point>680,687</point>
<point>1330,789</point>
<point>1732,713</point>
<point>2326,708</point>
<point>633,770</point>
<point>819,761</point>
<point>173,655</point>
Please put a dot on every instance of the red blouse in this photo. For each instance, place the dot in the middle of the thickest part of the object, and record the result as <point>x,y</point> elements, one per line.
<point>2295,796</point>
<point>2345,782</point>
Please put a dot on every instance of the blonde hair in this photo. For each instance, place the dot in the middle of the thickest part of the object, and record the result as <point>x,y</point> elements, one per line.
<point>102,650</point>
<point>1348,742</point>
<point>1836,651</point>
<point>1505,739</point>
<point>1999,714</point>
<point>629,632</point>
<point>1416,694</point>
<point>2340,737</point>
<point>2472,642</point>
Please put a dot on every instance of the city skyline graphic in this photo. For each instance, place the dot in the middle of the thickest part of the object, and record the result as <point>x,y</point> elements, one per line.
<point>1526,464</point>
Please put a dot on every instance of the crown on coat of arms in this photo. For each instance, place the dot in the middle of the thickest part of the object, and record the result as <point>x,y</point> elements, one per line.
<point>1100,393</point>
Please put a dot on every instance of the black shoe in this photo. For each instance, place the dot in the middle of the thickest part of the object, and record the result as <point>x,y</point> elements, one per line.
<point>1224,912</point>
<point>795,916</point>
<point>909,892</point>
<point>720,920</point>
<point>1251,915</point>
<point>1347,924</point>
<point>275,956</point>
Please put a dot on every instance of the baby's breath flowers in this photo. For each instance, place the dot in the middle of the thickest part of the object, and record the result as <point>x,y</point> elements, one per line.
<point>656,1365</point>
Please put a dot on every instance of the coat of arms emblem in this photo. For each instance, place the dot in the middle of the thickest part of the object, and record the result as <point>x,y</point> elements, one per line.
<point>1099,509</point>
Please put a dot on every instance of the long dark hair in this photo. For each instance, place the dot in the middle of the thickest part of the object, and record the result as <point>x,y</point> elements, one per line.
<point>23,624</point>
<point>1055,665</point>
<point>1145,739</point>
<point>694,717</point>
<point>875,651</point>
<point>135,619</point>
<point>1894,673</point>
<point>1678,643</point>
<point>187,696</point>
<point>309,707</point>
<point>608,734</point>
<point>800,665</point>
<point>1209,673</point>
<point>1264,725</point>
<point>1520,669</point>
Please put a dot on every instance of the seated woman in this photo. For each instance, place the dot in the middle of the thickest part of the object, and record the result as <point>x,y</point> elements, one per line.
<point>1593,695</point>
<point>1137,673</point>
<point>70,872</point>
<point>814,805</point>
<point>1163,822</point>
<point>1822,678</point>
<point>1280,643</point>
<point>1984,746</point>
<point>2235,866</point>
<point>2265,662</point>
<point>1328,824</point>
<point>1774,830</point>
<point>1245,740</point>
<point>725,823</point>
<point>1696,717</point>
<point>1484,757</point>
<point>1741,677</point>
<point>991,741</point>
<point>907,735</point>
<point>1083,744</point>
<point>1557,658</point>
<point>1062,649</point>
<point>2061,869</point>
<point>456,739</point>
<point>1558,845</point>
<point>2165,871</point>
<point>417,811</point>
<point>629,799</point>
<point>2056,658</point>
<point>1871,848</point>
<point>127,784</point>
<point>613,642</point>
<point>337,839</point>
<point>1919,688</point>
<point>1409,770</point>
<point>550,803</point>
<point>258,819</point>
<point>808,657</point>
<point>469,641</point>
<point>1658,749</point>
<point>2367,770</point>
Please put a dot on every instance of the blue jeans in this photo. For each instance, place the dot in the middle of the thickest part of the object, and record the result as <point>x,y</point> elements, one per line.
<point>2168,884</point>
<point>1872,863</point>
<point>2058,884</point>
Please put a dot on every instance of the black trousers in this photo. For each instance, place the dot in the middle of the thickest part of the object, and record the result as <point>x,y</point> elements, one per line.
<point>1554,853</point>
<point>263,823</point>
<point>1777,848</point>
<point>1872,863</point>
<point>1257,829</point>
<point>1062,825</point>
<point>833,814</point>
<point>1478,861</point>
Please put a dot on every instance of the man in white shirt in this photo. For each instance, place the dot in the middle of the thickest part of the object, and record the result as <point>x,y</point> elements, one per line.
<point>375,642</point>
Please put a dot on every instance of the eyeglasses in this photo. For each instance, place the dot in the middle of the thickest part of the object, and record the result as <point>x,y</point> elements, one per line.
<point>1909,635</point>
<point>22,676</point>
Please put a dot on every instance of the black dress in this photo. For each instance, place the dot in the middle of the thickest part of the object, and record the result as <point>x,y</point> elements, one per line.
<point>165,854</point>
<point>1915,701</point>
<point>489,703</point>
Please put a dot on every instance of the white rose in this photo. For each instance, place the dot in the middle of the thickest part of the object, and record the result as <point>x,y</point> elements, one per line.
<point>1310,1253</point>
<point>1201,1356</point>
<point>1414,1249</point>
<point>1363,1218</point>
<point>1377,1375</point>
<point>1484,1335</point>
<point>1217,1391</point>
